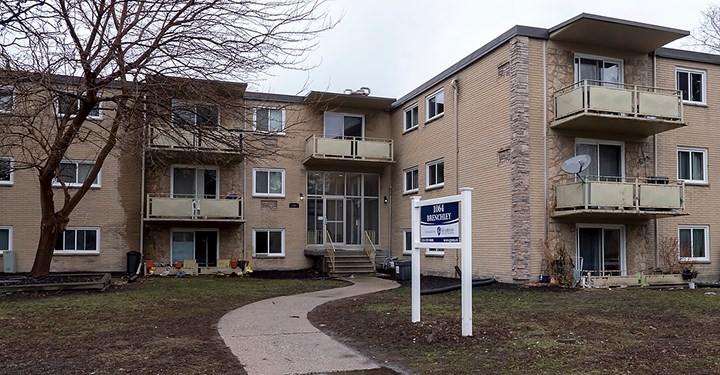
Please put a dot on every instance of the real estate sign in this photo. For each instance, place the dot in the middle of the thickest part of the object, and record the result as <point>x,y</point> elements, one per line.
<point>440,222</point>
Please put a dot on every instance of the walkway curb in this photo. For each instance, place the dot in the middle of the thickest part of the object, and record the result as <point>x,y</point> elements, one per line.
<point>274,336</point>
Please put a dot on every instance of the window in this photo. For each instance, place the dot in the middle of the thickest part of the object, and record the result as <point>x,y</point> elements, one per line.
<point>598,70</point>
<point>407,241</point>
<point>269,182</point>
<point>269,242</point>
<point>435,174</point>
<point>606,159</point>
<point>694,242</point>
<point>269,120</point>
<point>343,125</point>
<point>74,173</point>
<point>692,85</point>
<point>692,165</point>
<point>7,99</point>
<point>5,239</point>
<point>411,117</point>
<point>435,104</point>
<point>78,241</point>
<point>411,180</point>
<point>186,114</point>
<point>434,252</point>
<point>7,174</point>
<point>69,104</point>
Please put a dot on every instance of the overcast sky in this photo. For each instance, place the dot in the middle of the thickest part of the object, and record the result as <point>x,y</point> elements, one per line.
<point>393,46</point>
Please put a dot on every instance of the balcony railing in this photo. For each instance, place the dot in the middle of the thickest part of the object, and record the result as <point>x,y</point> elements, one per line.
<point>595,106</point>
<point>166,207</point>
<point>196,139</point>
<point>640,198</point>
<point>349,148</point>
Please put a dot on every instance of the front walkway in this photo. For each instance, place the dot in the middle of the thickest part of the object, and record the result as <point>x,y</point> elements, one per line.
<point>273,336</point>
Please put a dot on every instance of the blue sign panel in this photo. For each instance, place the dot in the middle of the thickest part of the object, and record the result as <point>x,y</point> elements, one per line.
<point>440,222</point>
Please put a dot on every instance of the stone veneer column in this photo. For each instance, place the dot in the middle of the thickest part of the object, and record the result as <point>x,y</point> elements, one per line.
<point>520,154</point>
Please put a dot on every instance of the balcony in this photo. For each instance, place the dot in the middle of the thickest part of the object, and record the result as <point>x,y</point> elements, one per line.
<point>164,207</point>
<point>611,110</point>
<point>622,201</point>
<point>347,151</point>
<point>216,140</point>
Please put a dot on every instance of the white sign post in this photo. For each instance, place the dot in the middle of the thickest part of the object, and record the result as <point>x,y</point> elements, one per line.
<point>444,223</point>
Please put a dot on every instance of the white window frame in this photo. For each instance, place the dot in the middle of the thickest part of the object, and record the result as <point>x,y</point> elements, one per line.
<point>77,163</point>
<point>282,111</point>
<point>620,62</point>
<point>81,252</point>
<point>11,90</point>
<point>429,164</point>
<point>59,113</point>
<point>705,228</point>
<point>690,150</point>
<point>10,237</point>
<point>268,254</point>
<point>343,114</point>
<point>407,250</point>
<point>189,103</point>
<point>598,142</point>
<point>270,195</point>
<point>411,126</point>
<point>417,180</point>
<point>11,181</point>
<point>704,84</point>
<point>427,105</point>
<point>433,252</point>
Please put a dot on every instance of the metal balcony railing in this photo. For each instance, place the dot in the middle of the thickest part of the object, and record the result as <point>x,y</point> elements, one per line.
<point>349,148</point>
<point>168,207</point>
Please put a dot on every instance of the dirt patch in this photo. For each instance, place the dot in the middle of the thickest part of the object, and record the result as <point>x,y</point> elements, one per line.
<point>292,274</point>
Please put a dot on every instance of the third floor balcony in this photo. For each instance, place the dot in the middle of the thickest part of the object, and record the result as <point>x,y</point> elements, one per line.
<point>348,151</point>
<point>614,110</point>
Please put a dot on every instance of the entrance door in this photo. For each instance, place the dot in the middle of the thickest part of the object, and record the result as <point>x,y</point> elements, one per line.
<point>194,183</point>
<point>602,250</point>
<point>201,245</point>
<point>334,223</point>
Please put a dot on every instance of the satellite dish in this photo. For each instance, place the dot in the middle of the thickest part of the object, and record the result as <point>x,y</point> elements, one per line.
<point>577,164</point>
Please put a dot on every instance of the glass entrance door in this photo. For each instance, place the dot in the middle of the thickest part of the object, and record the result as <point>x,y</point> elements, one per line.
<point>201,245</point>
<point>334,223</point>
<point>602,250</point>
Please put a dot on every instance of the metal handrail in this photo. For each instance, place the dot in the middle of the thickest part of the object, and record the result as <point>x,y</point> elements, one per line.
<point>330,250</point>
<point>385,140</point>
<point>636,183</point>
<point>617,85</point>
<point>372,251</point>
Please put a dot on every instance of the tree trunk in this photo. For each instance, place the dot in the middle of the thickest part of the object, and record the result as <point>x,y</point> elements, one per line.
<point>49,229</point>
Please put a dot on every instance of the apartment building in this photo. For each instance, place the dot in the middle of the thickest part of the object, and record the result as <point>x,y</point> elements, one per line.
<point>295,180</point>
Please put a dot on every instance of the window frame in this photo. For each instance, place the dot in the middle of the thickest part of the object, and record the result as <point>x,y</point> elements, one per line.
<point>430,164</point>
<point>80,252</point>
<point>59,113</point>
<point>77,183</point>
<point>255,128</point>
<point>11,180</point>
<point>195,105</point>
<point>9,228</point>
<point>416,108</point>
<point>619,61</point>
<point>689,71</point>
<point>690,150</point>
<point>433,95</point>
<point>706,245</point>
<point>268,194</point>
<point>406,232</point>
<point>268,254</point>
<point>11,90</point>
<point>416,188</point>
<point>598,142</point>
<point>434,252</point>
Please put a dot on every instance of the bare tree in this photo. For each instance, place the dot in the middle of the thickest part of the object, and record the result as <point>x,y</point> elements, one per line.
<point>67,60</point>
<point>707,35</point>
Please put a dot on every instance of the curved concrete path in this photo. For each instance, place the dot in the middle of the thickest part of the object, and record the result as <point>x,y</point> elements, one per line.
<point>274,337</point>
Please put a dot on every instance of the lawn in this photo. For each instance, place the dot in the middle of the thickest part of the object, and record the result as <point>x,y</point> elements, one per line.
<point>536,331</point>
<point>158,326</point>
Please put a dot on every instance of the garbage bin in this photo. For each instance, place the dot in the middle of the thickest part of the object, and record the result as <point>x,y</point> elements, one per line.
<point>403,270</point>
<point>133,260</point>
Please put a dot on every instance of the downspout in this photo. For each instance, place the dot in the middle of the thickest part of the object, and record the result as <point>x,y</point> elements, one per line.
<point>244,188</point>
<point>545,140</point>
<point>454,84</point>
<point>655,171</point>
<point>142,182</point>
<point>390,220</point>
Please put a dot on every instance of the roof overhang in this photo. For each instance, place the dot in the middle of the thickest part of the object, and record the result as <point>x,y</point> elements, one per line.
<point>348,100</point>
<point>614,33</point>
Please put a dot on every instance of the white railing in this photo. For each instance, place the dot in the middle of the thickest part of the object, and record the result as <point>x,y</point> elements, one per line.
<point>211,139</point>
<point>369,247</point>
<point>330,250</point>
<point>613,193</point>
<point>610,98</point>
<point>353,148</point>
<point>165,206</point>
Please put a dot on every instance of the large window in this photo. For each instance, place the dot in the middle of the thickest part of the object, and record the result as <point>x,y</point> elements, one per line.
<point>435,173</point>
<point>74,173</point>
<point>7,99</point>
<point>7,174</point>
<point>411,117</point>
<point>694,242</point>
<point>186,114</point>
<point>692,165</point>
<point>268,182</point>
<point>407,241</point>
<point>607,159</point>
<point>194,182</point>
<point>269,120</point>
<point>78,241</point>
<point>598,70</point>
<point>435,104</point>
<point>343,125</point>
<point>269,242</point>
<point>70,104</point>
<point>692,85</point>
<point>5,239</point>
<point>411,180</point>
